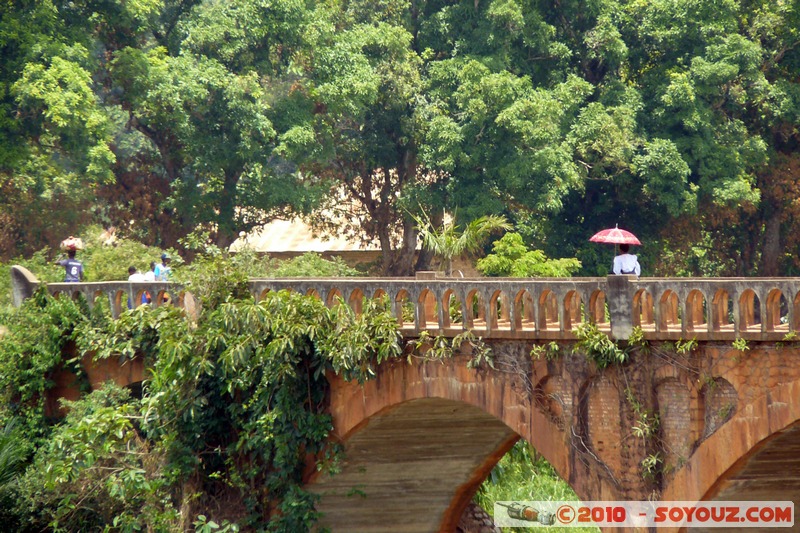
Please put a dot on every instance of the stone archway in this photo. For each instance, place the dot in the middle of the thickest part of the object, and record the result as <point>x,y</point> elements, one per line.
<point>412,467</point>
<point>745,457</point>
<point>424,436</point>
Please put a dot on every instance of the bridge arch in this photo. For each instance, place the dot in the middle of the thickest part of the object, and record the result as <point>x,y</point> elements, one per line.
<point>469,418</point>
<point>755,440</point>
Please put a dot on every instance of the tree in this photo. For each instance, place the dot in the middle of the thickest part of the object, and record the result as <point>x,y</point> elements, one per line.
<point>510,257</point>
<point>718,86</point>
<point>55,135</point>
<point>361,77</point>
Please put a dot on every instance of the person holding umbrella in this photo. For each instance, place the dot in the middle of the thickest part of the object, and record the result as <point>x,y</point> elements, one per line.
<point>626,263</point>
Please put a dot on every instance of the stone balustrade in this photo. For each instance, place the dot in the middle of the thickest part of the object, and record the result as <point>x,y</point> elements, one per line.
<point>756,309</point>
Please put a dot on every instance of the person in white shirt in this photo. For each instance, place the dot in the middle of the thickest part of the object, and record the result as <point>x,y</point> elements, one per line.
<point>150,275</point>
<point>626,263</point>
<point>135,275</point>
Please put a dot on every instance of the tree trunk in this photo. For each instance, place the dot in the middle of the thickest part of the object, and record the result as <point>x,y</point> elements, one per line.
<point>189,490</point>
<point>770,252</point>
<point>400,262</point>
<point>226,230</point>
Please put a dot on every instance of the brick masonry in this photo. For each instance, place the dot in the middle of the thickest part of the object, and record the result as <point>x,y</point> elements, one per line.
<point>726,417</point>
<point>581,420</point>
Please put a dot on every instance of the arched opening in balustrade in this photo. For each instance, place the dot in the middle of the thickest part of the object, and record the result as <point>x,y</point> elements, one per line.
<point>404,309</point>
<point>136,389</point>
<point>749,311</point>
<point>644,310</point>
<point>722,311</point>
<point>140,297</point>
<point>696,311</point>
<point>501,316</point>
<point>101,305</point>
<point>314,293</point>
<point>429,310</point>
<point>572,310</point>
<point>356,301</point>
<point>795,322</point>
<point>524,312</point>
<point>120,303</point>
<point>80,298</point>
<point>334,295</point>
<point>598,310</point>
<point>162,298</point>
<point>475,310</point>
<point>454,314</point>
<point>383,298</point>
<point>777,311</point>
<point>669,312</point>
<point>179,300</point>
<point>548,311</point>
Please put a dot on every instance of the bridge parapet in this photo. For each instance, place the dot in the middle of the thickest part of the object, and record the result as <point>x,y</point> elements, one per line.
<point>755,309</point>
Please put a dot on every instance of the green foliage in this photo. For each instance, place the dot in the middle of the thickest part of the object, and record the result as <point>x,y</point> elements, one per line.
<point>685,347</point>
<point>313,265</point>
<point>14,453</point>
<point>203,525</point>
<point>549,351</point>
<point>523,475</point>
<point>637,339</point>
<point>38,342</point>
<point>439,348</point>
<point>598,347</point>
<point>647,422</point>
<point>510,257</point>
<point>448,242</point>
<point>233,401</point>
<point>741,345</point>
<point>651,465</point>
<point>97,470</point>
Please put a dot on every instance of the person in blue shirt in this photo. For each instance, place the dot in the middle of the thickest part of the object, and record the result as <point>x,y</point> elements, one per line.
<point>162,270</point>
<point>72,267</point>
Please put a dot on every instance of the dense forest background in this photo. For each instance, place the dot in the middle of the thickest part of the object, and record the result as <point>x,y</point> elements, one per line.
<point>177,120</point>
<point>676,119</point>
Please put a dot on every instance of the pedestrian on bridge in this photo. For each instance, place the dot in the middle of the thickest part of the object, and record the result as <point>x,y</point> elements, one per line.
<point>72,267</point>
<point>626,263</point>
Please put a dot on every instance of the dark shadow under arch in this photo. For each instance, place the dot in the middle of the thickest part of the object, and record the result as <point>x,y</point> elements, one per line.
<point>417,464</point>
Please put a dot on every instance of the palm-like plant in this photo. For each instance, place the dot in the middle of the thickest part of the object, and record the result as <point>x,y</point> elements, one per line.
<point>13,454</point>
<point>449,242</point>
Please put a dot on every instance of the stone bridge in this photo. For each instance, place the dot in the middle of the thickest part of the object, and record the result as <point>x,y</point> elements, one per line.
<point>422,436</point>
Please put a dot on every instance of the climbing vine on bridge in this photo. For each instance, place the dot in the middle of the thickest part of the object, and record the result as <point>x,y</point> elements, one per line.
<point>231,415</point>
<point>598,347</point>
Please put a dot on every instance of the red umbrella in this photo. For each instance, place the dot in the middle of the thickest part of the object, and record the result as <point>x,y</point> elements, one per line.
<point>615,236</point>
